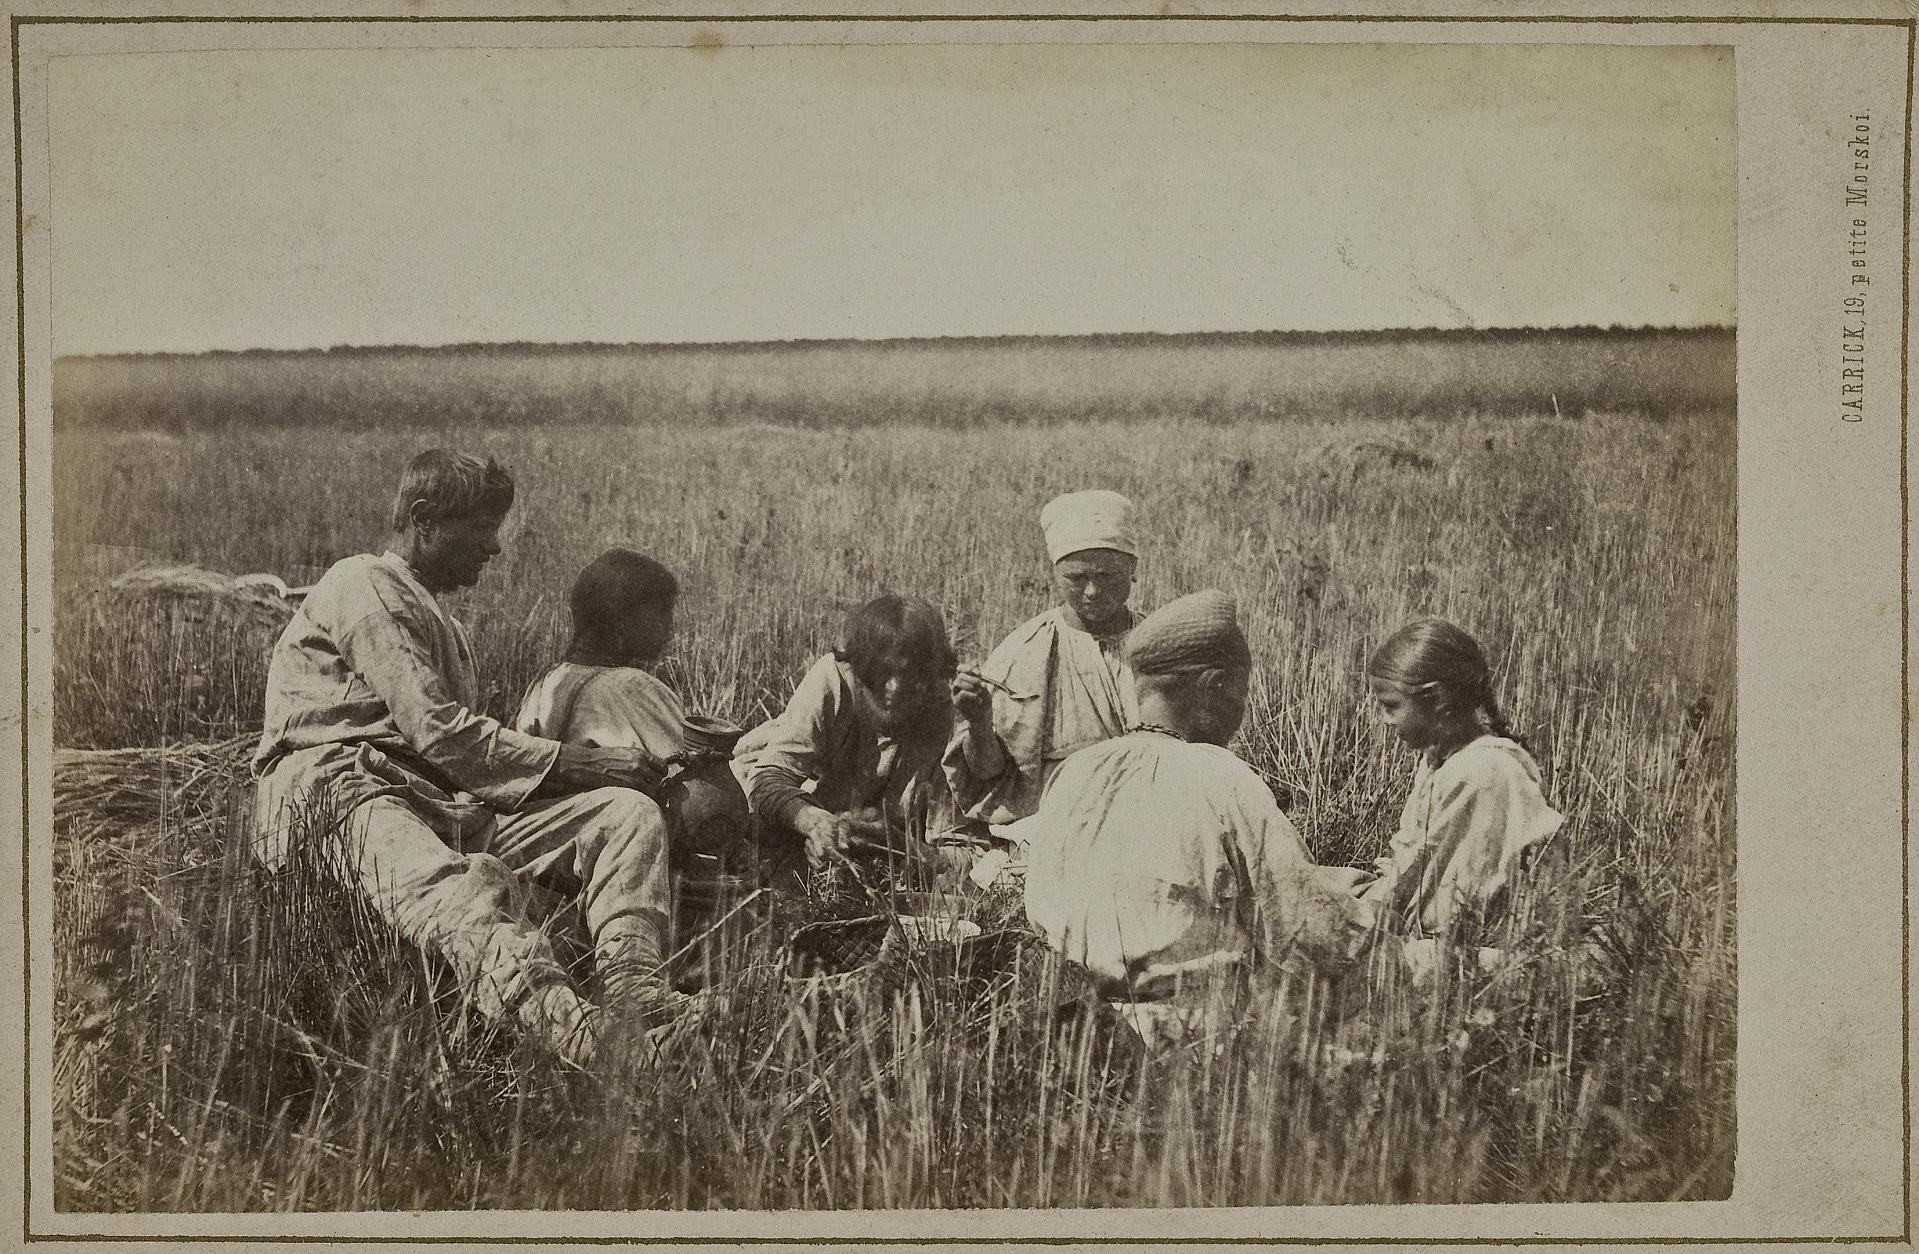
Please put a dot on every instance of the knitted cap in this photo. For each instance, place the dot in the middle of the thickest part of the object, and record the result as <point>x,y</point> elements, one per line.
<point>1193,633</point>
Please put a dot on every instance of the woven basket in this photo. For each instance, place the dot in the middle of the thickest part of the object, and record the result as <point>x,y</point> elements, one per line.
<point>838,946</point>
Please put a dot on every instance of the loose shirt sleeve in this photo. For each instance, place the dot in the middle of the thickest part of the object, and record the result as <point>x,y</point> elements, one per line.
<point>1461,837</point>
<point>1013,792</point>
<point>1298,906</point>
<point>389,647</point>
<point>776,758</point>
<point>997,799</point>
<point>1074,690</point>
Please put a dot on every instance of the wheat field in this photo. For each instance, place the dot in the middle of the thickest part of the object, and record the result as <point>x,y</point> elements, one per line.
<point>232,1040</point>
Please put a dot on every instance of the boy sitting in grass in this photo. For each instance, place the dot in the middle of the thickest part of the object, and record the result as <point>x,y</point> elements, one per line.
<point>622,606</point>
<point>602,695</point>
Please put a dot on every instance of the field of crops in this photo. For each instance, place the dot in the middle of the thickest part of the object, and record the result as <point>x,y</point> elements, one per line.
<point>232,1040</point>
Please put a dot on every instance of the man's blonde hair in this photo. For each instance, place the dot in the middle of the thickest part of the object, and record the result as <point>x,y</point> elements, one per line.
<point>452,485</point>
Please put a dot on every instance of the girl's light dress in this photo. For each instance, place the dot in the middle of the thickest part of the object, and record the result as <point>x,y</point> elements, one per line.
<point>1461,836</point>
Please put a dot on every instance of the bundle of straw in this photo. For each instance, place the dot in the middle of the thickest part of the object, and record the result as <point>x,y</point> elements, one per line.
<point>262,601</point>
<point>122,788</point>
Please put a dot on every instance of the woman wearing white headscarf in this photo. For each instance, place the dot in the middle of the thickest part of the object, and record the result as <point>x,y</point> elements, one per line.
<point>1059,682</point>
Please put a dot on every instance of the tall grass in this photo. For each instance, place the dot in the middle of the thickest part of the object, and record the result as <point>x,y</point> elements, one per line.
<point>232,1039</point>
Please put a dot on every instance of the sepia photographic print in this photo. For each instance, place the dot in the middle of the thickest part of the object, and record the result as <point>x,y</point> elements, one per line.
<point>958,626</point>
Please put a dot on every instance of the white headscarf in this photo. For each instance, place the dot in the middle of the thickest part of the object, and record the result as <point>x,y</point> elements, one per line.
<point>1095,519</point>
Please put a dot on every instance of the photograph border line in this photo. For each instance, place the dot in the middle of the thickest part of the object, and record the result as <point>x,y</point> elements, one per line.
<point>1911,26</point>
<point>816,18</point>
<point>917,1241</point>
<point>1905,645</point>
<point>26,743</point>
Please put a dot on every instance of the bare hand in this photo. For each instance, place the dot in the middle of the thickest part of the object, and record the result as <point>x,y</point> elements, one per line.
<point>973,702</point>
<point>825,834</point>
<point>972,697</point>
<point>863,829</point>
<point>836,836</point>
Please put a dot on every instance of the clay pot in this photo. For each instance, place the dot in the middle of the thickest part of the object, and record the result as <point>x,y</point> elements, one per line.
<point>702,799</point>
<point>705,734</point>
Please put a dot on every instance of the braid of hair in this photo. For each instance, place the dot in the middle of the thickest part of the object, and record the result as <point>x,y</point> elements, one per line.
<point>1496,720</point>
<point>1431,655</point>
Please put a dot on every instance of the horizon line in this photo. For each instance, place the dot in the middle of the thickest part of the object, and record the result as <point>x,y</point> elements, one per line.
<point>997,339</point>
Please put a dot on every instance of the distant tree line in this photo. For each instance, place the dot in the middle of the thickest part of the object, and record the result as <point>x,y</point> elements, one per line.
<point>1214,378</point>
<point>1117,339</point>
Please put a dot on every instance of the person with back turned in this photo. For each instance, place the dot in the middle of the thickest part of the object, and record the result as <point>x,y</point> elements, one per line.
<point>1163,866</point>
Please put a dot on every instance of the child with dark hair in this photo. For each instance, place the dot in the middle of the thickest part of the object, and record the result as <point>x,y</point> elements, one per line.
<point>1476,812</point>
<point>864,731</point>
<point>622,607</point>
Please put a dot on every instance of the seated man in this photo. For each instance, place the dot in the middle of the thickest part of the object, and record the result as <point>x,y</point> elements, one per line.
<point>1062,675</point>
<point>371,723</point>
<point>1160,862</point>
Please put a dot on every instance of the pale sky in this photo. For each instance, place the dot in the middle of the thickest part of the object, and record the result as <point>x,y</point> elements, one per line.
<point>310,198</point>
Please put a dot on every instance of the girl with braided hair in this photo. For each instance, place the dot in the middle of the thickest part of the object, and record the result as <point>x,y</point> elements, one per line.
<point>1476,812</point>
